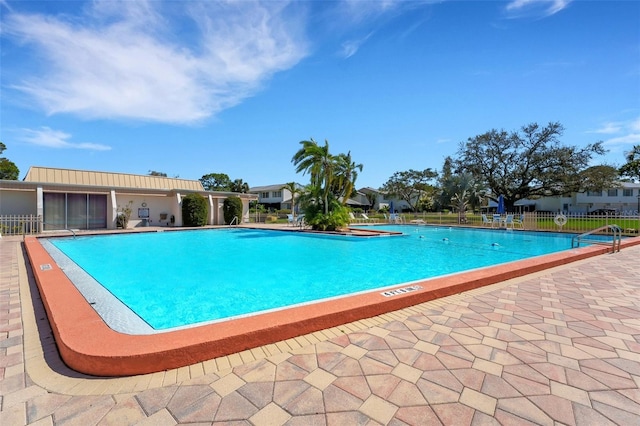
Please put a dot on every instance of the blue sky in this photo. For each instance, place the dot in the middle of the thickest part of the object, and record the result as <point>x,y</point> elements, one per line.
<point>190,88</point>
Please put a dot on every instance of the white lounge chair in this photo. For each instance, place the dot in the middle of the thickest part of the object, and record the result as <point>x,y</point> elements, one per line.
<point>508,221</point>
<point>497,220</point>
<point>519,221</point>
<point>290,219</point>
<point>486,220</point>
<point>395,218</point>
<point>365,217</point>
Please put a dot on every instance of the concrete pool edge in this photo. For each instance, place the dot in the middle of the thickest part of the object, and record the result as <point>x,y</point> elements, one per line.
<point>87,345</point>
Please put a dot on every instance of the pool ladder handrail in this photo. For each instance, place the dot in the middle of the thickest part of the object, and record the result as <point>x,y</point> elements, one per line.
<point>616,234</point>
<point>59,228</point>
<point>236,220</point>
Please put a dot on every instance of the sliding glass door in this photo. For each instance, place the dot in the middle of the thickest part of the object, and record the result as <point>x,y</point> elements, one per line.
<point>54,211</point>
<point>74,211</point>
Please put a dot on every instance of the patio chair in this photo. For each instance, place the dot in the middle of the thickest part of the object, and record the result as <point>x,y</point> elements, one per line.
<point>290,219</point>
<point>508,221</point>
<point>486,220</point>
<point>497,220</point>
<point>519,221</point>
<point>300,221</point>
<point>395,218</point>
<point>365,217</point>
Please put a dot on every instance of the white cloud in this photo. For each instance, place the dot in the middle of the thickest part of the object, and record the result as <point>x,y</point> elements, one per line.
<point>623,134</point>
<point>362,15</point>
<point>351,47</point>
<point>151,61</point>
<point>608,128</point>
<point>629,139</point>
<point>57,139</point>
<point>544,8</point>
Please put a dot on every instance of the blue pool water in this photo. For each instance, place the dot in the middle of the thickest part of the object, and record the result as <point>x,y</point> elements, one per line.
<point>173,279</point>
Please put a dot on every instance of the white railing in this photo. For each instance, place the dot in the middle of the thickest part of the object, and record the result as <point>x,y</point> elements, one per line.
<point>20,224</point>
<point>537,221</point>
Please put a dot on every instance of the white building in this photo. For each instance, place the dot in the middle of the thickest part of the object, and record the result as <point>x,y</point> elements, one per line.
<point>275,197</point>
<point>80,199</point>
<point>624,200</point>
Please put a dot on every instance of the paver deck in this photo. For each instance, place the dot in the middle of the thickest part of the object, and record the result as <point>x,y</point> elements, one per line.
<point>557,347</point>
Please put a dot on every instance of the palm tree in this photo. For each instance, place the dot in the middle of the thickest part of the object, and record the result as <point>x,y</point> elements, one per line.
<point>462,184</point>
<point>319,163</point>
<point>345,176</point>
<point>294,189</point>
<point>239,186</point>
<point>460,202</point>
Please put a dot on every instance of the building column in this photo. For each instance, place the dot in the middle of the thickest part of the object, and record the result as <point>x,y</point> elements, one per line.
<point>211,220</point>
<point>112,210</point>
<point>40,207</point>
<point>178,210</point>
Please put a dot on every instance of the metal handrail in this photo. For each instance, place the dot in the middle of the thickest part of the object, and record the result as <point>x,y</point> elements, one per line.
<point>236,220</point>
<point>616,233</point>
<point>73,231</point>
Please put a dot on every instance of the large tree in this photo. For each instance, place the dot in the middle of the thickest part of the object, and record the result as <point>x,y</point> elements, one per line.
<point>238,185</point>
<point>8,169</point>
<point>526,164</point>
<point>597,178</point>
<point>216,182</point>
<point>632,167</point>
<point>410,185</point>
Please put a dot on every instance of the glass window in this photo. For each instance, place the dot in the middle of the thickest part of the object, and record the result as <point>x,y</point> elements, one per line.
<point>277,194</point>
<point>77,211</point>
<point>612,193</point>
<point>97,211</point>
<point>264,195</point>
<point>627,192</point>
<point>54,211</point>
<point>74,211</point>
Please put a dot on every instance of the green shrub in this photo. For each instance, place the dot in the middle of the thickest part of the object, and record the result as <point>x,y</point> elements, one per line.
<point>337,218</point>
<point>232,207</point>
<point>124,214</point>
<point>194,210</point>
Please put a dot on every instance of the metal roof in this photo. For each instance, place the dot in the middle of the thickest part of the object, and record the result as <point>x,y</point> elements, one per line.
<point>107,179</point>
<point>276,187</point>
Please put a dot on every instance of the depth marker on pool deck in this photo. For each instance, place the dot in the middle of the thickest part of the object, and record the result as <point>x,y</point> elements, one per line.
<point>402,290</point>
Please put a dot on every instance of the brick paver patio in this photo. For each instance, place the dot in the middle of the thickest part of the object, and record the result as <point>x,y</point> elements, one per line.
<point>560,347</point>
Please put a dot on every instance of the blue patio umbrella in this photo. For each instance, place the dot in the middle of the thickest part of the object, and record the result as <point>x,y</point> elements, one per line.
<point>500,209</point>
<point>391,207</point>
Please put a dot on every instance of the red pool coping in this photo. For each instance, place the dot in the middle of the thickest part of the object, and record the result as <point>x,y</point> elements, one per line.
<point>88,345</point>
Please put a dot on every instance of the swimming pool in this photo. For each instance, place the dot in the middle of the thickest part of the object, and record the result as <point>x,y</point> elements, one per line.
<point>164,280</point>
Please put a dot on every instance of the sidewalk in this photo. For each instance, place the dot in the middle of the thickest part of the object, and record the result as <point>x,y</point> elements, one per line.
<point>557,347</point>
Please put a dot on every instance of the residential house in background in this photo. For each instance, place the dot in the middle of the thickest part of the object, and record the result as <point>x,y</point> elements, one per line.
<point>273,197</point>
<point>276,197</point>
<point>82,199</point>
<point>382,200</point>
<point>623,200</point>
